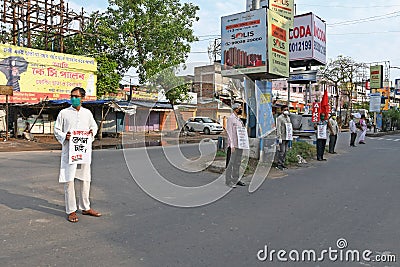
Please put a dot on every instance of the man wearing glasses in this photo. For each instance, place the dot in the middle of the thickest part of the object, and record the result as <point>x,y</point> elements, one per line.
<point>79,118</point>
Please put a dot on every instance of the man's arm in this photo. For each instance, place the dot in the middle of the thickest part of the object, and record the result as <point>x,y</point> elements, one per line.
<point>93,125</point>
<point>58,129</point>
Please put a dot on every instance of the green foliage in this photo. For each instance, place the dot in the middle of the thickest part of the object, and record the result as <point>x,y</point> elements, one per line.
<point>148,35</point>
<point>220,153</point>
<point>305,150</point>
<point>152,35</point>
<point>107,78</point>
<point>175,88</point>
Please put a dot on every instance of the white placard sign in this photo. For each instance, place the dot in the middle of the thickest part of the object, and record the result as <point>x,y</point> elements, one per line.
<point>289,131</point>
<point>321,131</point>
<point>80,147</point>
<point>243,138</point>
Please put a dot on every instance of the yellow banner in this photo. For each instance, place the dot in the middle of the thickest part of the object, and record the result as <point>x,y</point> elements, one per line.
<point>284,8</point>
<point>43,72</point>
<point>278,45</point>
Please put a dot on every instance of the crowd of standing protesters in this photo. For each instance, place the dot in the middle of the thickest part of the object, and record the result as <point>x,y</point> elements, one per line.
<point>326,130</point>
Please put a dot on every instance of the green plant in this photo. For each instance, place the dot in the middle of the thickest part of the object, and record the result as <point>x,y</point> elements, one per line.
<point>305,150</point>
<point>220,153</point>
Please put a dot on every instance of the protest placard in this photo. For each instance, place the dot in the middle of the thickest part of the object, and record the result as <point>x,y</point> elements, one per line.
<point>243,138</point>
<point>80,147</point>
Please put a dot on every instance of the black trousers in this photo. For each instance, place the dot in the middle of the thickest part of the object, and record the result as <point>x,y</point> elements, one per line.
<point>332,143</point>
<point>320,148</point>
<point>233,161</point>
<point>353,137</point>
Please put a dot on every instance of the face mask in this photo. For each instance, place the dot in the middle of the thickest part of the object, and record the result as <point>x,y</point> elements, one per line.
<point>286,112</point>
<point>239,112</point>
<point>75,101</point>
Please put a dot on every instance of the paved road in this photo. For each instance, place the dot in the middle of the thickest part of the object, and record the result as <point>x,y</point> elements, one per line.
<point>355,195</point>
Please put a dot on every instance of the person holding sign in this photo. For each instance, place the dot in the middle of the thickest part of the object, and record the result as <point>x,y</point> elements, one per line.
<point>75,128</point>
<point>284,133</point>
<point>333,134</point>
<point>322,136</point>
<point>237,141</point>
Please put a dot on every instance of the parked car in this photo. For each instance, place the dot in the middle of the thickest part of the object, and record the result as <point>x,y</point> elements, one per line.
<point>203,124</point>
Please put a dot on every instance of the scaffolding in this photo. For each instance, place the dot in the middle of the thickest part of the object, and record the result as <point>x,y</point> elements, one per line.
<point>51,19</point>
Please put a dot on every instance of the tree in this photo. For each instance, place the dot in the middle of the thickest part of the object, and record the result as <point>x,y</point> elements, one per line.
<point>343,73</point>
<point>175,89</point>
<point>152,34</point>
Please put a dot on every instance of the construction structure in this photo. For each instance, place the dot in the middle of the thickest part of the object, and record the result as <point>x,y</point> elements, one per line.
<point>51,20</point>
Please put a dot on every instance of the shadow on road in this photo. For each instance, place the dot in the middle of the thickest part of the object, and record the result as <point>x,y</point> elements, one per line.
<point>20,202</point>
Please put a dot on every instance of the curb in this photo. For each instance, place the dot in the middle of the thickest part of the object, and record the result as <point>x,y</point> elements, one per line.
<point>382,133</point>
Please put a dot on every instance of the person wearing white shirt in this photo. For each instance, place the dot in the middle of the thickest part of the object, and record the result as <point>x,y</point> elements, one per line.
<point>353,131</point>
<point>79,118</point>
<point>333,134</point>
<point>234,153</point>
<point>284,133</point>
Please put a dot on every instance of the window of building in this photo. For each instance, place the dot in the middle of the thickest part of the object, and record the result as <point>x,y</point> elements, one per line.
<point>300,89</point>
<point>284,88</point>
<point>294,89</point>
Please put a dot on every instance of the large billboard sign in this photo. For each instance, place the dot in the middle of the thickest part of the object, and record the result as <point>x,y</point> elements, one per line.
<point>308,40</point>
<point>37,74</point>
<point>284,8</point>
<point>376,76</point>
<point>255,42</point>
<point>244,43</point>
<point>278,45</point>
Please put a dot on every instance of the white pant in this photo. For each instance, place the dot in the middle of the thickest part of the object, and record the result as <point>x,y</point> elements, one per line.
<point>70,199</point>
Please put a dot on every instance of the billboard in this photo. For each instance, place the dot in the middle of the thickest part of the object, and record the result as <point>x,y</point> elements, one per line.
<point>284,9</point>
<point>397,85</point>
<point>278,45</point>
<point>244,43</point>
<point>265,118</point>
<point>255,42</point>
<point>307,40</point>
<point>37,74</point>
<point>376,76</point>
<point>375,102</point>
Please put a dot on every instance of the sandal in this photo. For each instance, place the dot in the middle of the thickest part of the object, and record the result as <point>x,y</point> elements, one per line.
<point>91,212</point>
<point>72,217</point>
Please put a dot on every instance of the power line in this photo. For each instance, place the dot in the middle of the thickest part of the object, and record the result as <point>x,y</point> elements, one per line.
<point>362,33</point>
<point>373,18</point>
<point>338,6</point>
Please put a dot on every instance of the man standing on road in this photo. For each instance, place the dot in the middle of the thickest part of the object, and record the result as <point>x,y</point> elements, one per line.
<point>284,132</point>
<point>79,118</point>
<point>322,135</point>
<point>353,131</point>
<point>333,133</point>
<point>234,153</point>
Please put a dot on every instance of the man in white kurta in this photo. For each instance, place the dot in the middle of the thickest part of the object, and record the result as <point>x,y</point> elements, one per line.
<point>75,117</point>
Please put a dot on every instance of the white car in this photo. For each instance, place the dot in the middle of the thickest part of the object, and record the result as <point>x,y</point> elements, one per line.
<point>203,124</point>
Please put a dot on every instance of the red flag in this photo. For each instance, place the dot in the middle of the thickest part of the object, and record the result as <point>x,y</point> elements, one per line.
<point>325,108</point>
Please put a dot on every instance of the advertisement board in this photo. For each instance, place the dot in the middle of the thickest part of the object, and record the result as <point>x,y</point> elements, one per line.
<point>283,8</point>
<point>37,74</point>
<point>376,76</point>
<point>375,102</point>
<point>278,45</point>
<point>265,118</point>
<point>308,40</point>
<point>244,43</point>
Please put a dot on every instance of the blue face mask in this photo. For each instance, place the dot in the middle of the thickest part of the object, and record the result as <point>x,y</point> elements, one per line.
<point>75,101</point>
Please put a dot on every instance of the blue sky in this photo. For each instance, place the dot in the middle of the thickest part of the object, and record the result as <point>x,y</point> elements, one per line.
<point>367,31</point>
